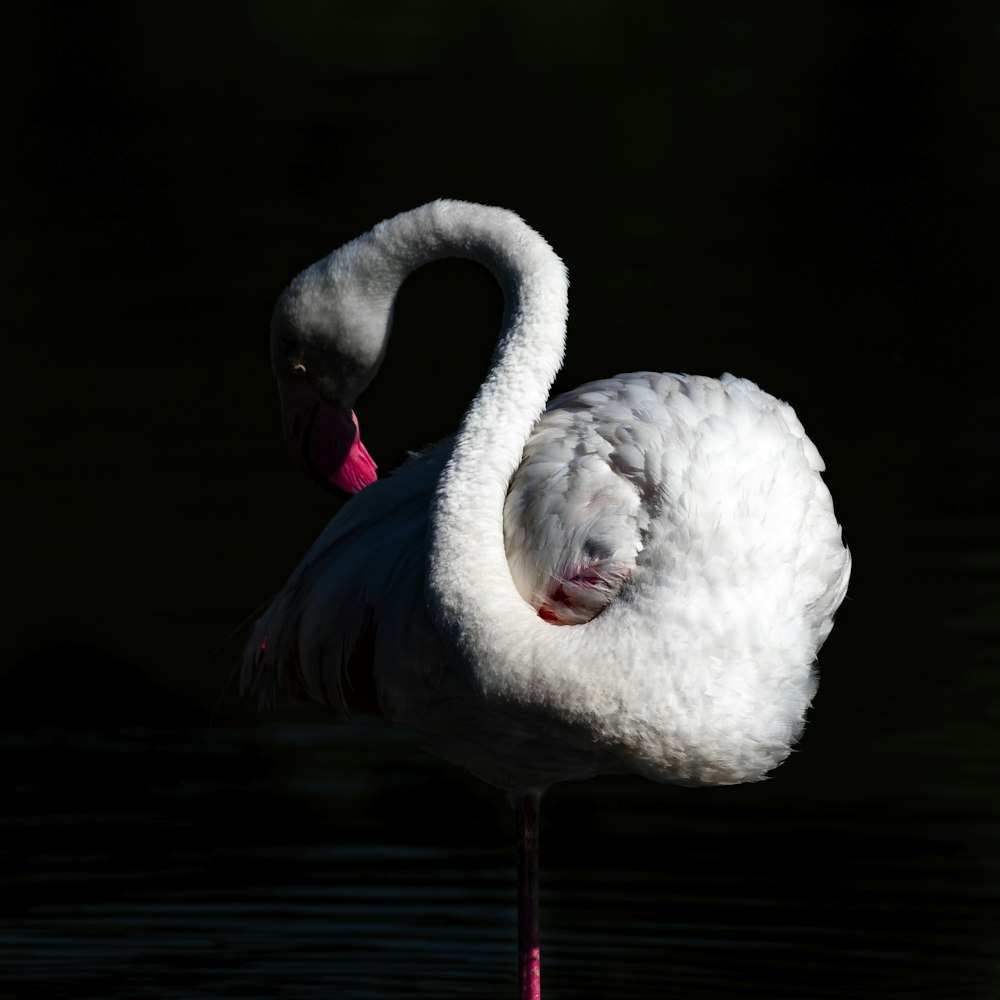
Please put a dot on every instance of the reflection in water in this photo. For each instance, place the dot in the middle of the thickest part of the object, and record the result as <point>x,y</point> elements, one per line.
<point>302,861</point>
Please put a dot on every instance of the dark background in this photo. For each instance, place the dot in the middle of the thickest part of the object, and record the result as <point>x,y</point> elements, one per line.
<point>803,194</point>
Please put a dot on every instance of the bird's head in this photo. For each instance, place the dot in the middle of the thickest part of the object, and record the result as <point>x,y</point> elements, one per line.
<point>328,336</point>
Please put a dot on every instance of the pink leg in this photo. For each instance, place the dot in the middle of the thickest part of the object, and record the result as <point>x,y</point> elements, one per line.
<point>526,804</point>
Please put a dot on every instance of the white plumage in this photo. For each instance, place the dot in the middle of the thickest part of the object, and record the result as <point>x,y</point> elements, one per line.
<point>677,525</point>
<point>636,577</point>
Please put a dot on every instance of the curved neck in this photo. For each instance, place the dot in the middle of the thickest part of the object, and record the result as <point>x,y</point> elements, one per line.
<point>470,587</point>
<point>529,351</point>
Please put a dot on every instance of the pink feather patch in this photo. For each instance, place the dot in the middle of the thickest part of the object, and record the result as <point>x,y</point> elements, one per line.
<point>582,594</point>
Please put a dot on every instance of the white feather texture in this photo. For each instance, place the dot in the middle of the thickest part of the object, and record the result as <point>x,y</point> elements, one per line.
<point>637,576</point>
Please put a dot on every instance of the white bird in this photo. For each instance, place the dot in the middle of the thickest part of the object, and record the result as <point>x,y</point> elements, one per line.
<point>677,527</point>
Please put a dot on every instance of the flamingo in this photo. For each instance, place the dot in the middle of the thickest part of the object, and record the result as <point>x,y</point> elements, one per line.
<point>635,577</point>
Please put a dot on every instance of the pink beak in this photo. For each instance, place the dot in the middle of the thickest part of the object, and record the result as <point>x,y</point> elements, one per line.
<point>324,440</point>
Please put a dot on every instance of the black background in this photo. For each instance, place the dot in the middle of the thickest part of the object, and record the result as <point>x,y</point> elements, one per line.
<point>803,194</point>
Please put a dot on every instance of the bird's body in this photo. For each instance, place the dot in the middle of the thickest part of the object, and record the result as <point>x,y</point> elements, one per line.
<point>705,484</point>
<point>636,577</point>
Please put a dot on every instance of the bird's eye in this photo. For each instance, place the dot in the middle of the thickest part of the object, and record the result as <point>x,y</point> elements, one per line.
<point>298,370</point>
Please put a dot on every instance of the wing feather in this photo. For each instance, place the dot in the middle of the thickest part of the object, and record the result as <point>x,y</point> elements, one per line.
<point>352,609</point>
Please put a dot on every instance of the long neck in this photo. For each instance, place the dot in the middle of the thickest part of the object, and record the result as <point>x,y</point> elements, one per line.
<point>471,590</point>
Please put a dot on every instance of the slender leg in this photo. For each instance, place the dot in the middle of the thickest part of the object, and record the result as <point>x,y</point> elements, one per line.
<point>526,805</point>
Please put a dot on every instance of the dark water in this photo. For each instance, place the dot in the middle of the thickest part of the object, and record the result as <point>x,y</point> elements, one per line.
<point>209,877</point>
<point>805,197</point>
<point>308,860</point>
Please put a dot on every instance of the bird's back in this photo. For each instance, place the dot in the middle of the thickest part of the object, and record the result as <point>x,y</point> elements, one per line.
<point>726,464</point>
